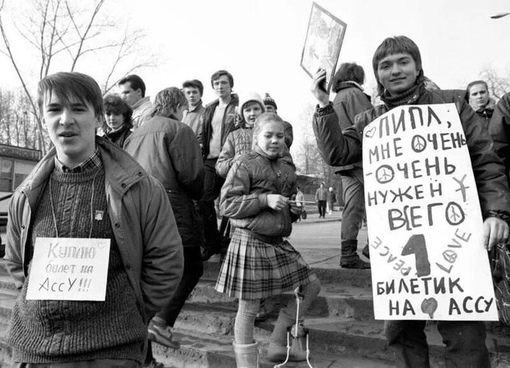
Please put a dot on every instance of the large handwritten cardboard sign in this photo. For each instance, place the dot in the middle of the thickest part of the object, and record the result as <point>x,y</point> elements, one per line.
<point>424,218</point>
<point>69,269</point>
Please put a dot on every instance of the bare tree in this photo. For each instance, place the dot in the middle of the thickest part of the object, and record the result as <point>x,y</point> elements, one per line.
<point>67,34</point>
<point>498,84</point>
<point>17,125</point>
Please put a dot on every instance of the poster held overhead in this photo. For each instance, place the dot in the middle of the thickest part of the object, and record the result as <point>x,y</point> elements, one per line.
<point>323,42</point>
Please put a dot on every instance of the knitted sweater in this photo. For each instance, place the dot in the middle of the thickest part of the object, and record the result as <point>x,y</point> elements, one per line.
<point>55,331</point>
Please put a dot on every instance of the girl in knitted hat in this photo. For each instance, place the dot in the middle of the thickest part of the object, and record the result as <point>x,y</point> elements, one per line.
<point>259,261</point>
<point>239,141</point>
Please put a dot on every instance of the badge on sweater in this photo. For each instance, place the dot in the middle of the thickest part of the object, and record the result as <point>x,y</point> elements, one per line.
<point>69,269</point>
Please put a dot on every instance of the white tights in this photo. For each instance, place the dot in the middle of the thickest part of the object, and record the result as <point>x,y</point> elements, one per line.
<point>248,309</point>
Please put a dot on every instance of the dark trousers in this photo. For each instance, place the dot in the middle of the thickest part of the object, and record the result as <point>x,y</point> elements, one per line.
<point>354,203</point>
<point>193,270</point>
<point>212,188</point>
<point>321,206</point>
<point>464,340</point>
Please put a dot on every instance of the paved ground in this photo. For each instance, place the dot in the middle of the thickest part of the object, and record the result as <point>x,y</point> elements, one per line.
<point>318,239</point>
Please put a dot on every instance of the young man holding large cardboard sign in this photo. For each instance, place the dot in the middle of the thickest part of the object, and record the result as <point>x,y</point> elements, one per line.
<point>398,70</point>
<point>87,200</point>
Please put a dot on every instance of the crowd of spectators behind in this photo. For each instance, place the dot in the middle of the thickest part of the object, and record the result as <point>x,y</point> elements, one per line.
<point>234,150</point>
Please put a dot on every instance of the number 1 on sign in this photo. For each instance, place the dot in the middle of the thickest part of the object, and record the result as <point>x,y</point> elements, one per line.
<point>416,245</point>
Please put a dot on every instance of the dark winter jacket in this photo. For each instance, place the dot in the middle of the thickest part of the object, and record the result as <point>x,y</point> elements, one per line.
<point>499,129</point>
<point>342,149</point>
<point>487,112</point>
<point>120,136</point>
<point>350,100</point>
<point>228,125</point>
<point>169,151</point>
<point>238,142</point>
<point>244,195</point>
<point>141,219</point>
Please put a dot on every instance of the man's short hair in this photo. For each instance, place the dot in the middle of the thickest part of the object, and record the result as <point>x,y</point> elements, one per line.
<point>71,85</point>
<point>397,45</point>
<point>117,106</point>
<point>194,83</point>
<point>135,82</point>
<point>348,72</point>
<point>167,101</point>
<point>221,73</point>
<point>474,83</point>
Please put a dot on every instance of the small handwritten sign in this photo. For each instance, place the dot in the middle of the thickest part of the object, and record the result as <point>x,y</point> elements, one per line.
<point>424,218</point>
<point>69,269</point>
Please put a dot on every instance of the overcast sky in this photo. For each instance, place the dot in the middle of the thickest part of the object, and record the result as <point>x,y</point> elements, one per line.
<point>260,42</point>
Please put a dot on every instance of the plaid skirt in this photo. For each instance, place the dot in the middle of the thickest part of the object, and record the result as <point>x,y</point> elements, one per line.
<point>253,269</point>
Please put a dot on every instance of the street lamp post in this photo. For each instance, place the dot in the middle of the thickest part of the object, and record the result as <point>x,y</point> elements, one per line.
<point>500,15</point>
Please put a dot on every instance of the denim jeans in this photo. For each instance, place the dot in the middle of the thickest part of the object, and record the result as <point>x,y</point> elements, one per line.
<point>354,203</point>
<point>464,340</point>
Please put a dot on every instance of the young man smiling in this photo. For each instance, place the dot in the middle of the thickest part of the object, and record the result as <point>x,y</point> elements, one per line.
<point>89,188</point>
<point>399,74</point>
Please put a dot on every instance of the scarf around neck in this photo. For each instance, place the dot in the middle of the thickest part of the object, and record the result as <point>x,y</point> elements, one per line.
<point>404,98</point>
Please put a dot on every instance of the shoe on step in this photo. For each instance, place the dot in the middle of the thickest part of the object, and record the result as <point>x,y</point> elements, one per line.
<point>162,334</point>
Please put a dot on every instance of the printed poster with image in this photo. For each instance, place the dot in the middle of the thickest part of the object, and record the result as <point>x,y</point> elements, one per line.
<point>424,218</point>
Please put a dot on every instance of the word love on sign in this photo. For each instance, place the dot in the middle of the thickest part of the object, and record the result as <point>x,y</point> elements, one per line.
<point>424,218</point>
<point>69,269</point>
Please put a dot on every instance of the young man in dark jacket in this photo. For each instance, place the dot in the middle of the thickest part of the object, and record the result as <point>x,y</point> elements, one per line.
<point>218,122</point>
<point>398,70</point>
<point>480,100</point>
<point>87,187</point>
<point>350,100</point>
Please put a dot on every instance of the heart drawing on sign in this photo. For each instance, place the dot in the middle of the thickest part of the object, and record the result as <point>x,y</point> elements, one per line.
<point>429,306</point>
<point>370,132</point>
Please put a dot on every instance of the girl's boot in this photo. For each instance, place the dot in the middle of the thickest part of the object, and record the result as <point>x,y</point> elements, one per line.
<point>277,351</point>
<point>247,355</point>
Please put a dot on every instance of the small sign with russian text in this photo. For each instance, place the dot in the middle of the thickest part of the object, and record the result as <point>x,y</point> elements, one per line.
<point>424,219</point>
<point>69,269</point>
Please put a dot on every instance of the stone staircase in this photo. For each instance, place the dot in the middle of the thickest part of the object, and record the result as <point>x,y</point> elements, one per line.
<point>343,332</point>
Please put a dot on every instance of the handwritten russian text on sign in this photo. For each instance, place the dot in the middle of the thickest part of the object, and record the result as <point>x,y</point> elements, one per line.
<point>424,218</point>
<point>69,269</point>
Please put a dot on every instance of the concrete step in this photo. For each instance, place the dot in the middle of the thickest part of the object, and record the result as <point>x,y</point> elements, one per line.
<point>343,276</point>
<point>7,284</point>
<point>334,300</point>
<point>343,332</point>
<point>3,268</point>
<point>339,336</point>
<point>332,344</point>
<point>202,351</point>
